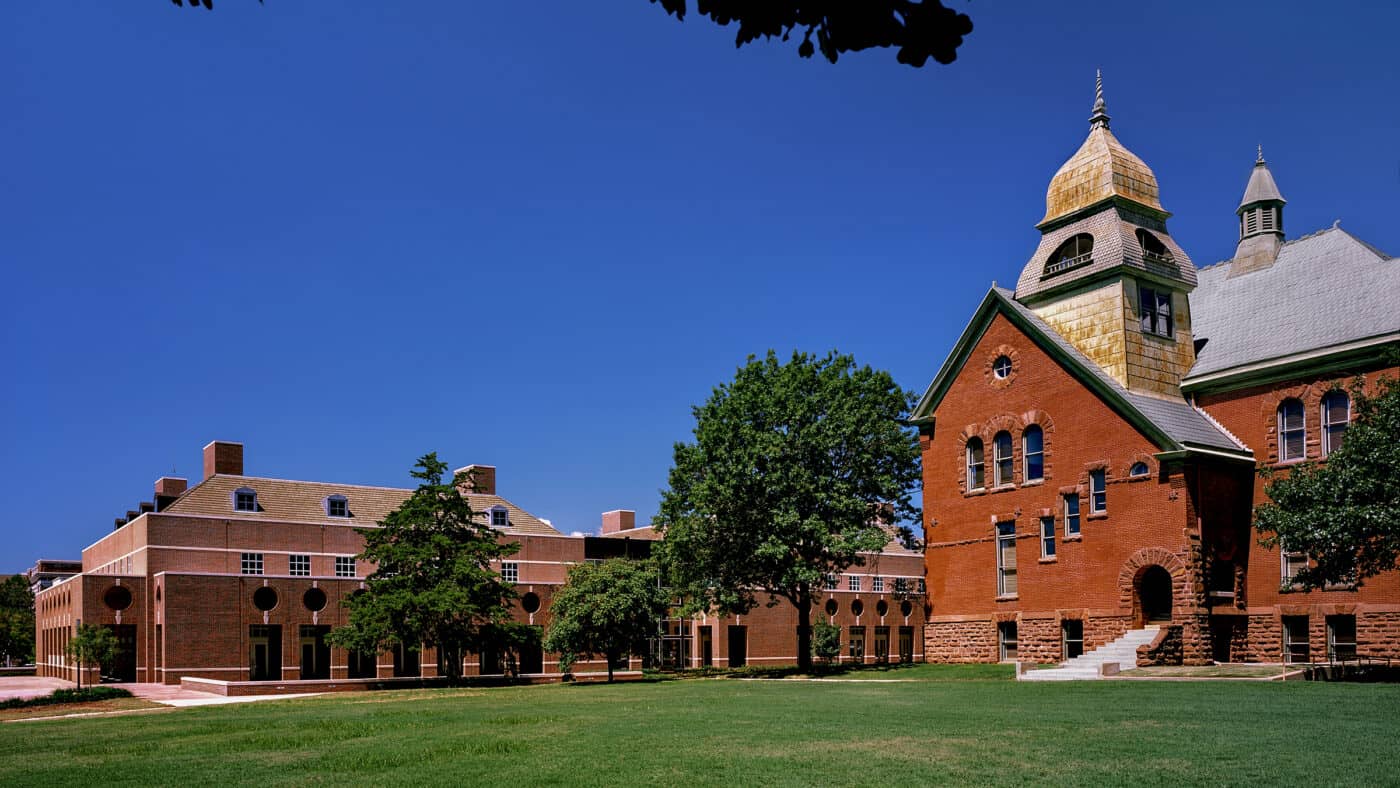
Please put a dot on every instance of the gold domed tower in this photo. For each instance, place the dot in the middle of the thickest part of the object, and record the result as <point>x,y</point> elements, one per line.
<point>1106,275</point>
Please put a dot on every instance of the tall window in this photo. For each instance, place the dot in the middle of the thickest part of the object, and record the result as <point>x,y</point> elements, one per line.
<point>1001,444</point>
<point>1071,507</point>
<point>1047,537</point>
<point>299,565</point>
<point>1155,311</point>
<point>853,583</point>
<point>1293,563</point>
<point>1033,453</point>
<point>1336,415</point>
<point>1006,641</point>
<point>1295,639</point>
<point>1098,491</point>
<point>1006,559</point>
<point>510,572</point>
<point>830,582</point>
<point>976,467</point>
<point>1341,637</point>
<point>1074,252</point>
<point>1292,432</point>
<point>252,563</point>
<point>1071,638</point>
<point>344,566</point>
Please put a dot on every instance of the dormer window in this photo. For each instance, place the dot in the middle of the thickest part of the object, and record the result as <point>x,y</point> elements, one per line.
<point>1072,253</point>
<point>1153,250</point>
<point>337,506</point>
<point>245,499</point>
<point>500,517</point>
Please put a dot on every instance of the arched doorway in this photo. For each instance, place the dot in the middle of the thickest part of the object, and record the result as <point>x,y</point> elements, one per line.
<point>1154,591</point>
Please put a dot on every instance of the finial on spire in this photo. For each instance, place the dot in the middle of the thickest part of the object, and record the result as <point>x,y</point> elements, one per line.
<point>1100,116</point>
<point>1260,160</point>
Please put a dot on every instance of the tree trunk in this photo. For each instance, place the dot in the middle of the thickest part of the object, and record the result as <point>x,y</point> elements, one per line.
<point>611,657</point>
<point>804,630</point>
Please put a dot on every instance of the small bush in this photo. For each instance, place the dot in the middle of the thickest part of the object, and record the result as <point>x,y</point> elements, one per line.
<point>84,695</point>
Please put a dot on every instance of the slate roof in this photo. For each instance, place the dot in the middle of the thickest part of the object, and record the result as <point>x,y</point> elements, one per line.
<point>284,499</point>
<point>1323,290</point>
<point>1261,186</point>
<point>1176,423</point>
<point>1115,245</point>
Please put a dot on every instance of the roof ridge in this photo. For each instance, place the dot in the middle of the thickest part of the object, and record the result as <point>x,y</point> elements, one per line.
<point>309,481</point>
<point>1232,436</point>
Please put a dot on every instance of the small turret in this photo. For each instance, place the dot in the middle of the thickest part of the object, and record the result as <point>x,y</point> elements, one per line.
<point>1261,221</point>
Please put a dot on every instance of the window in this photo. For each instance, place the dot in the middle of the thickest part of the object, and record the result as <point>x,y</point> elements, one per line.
<point>901,585</point>
<point>1341,637</point>
<point>1336,415</point>
<point>1138,469</point>
<point>1047,537</point>
<point>1153,250</point>
<point>1292,431</point>
<point>252,563</point>
<point>1295,639</point>
<point>857,644</point>
<point>853,583</point>
<point>1071,506</point>
<point>1001,445</point>
<point>500,517</point>
<point>1071,638</point>
<point>1006,641</point>
<point>1098,491</point>
<point>1074,252</point>
<point>1155,311</point>
<point>1293,563</point>
<point>344,566</point>
<point>923,586</point>
<point>976,468</point>
<point>1006,559</point>
<point>1033,453</point>
<point>245,500</point>
<point>337,506</point>
<point>877,584</point>
<point>1001,367</point>
<point>299,565</point>
<point>830,582</point>
<point>510,572</point>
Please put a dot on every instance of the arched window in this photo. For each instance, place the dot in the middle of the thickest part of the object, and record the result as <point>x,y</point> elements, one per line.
<point>1074,252</point>
<point>976,468</point>
<point>1336,415</point>
<point>1292,432</point>
<point>1033,452</point>
<point>1138,469</point>
<point>1153,250</point>
<point>1001,445</point>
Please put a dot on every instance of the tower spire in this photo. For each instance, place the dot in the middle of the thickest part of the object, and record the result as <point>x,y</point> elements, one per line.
<point>1100,116</point>
<point>1260,160</point>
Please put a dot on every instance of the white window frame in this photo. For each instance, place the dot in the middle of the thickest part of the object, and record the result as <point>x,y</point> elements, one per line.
<point>853,582</point>
<point>1006,535</point>
<point>501,513</point>
<point>1047,537</point>
<point>1072,519</point>
<point>830,583</point>
<point>1285,557</point>
<point>1009,460</point>
<point>238,496</point>
<point>1098,491</point>
<point>1008,648</point>
<point>251,563</point>
<point>1000,369</point>
<point>1327,425</point>
<point>344,566</point>
<point>1027,454</point>
<point>973,467</point>
<point>299,565</point>
<point>1302,430</point>
<point>877,584</point>
<point>510,572</point>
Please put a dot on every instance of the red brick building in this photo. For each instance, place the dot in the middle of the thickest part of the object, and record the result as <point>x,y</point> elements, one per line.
<point>1091,444</point>
<point>240,578</point>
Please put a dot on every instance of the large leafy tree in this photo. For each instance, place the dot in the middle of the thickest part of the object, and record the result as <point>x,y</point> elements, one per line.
<point>797,469</point>
<point>1344,513</point>
<point>16,620</point>
<point>93,646</point>
<point>921,29</point>
<point>608,608</point>
<point>433,585</point>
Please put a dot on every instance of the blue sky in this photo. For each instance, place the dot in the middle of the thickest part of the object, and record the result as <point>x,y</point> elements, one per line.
<point>347,234</point>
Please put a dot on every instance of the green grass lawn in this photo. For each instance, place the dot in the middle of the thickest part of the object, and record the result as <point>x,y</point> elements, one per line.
<point>725,731</point>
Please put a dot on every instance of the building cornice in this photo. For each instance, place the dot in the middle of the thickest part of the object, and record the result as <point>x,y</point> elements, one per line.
<point>1322,360</point>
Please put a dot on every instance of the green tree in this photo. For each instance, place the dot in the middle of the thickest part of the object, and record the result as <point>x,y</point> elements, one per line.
<point>609,609</point>
<point>16,620</point>
<point>93,646</point>
<point>826,641</point>
<point>433,584</point>
<point>1344,513</point>
<point>796,470</point>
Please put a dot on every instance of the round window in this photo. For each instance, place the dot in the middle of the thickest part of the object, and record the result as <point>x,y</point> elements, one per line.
<point>857,607</point>
<point>314,599</point>
<point>530,602</point>
<point>1138,469</point>
<point>117,598</point>
<point>831,607</point>
<point>881,608</point>
<point>905,608</point>
<point>265,598</point>
<point>1001,367</point>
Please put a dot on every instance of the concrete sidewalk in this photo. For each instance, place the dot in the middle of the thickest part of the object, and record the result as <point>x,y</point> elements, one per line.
<point>176,695</point>
<point>30,686</point>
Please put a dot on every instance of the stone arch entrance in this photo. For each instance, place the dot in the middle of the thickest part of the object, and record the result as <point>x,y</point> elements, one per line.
<point>1154,595</point>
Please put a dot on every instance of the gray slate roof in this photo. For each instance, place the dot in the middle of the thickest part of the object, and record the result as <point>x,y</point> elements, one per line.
<point>1115,245</point>
<point>1181,422</point>
<point>1261,186</point>
<point>1324,289</point>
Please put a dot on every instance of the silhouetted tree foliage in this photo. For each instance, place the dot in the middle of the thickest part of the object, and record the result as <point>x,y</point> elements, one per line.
<point>921,30</point>
<point>16,620</point>
<point>197,3</point>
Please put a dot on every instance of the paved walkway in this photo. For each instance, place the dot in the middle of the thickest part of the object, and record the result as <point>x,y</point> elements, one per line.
<point>176,695</point>
<point>29,686</point>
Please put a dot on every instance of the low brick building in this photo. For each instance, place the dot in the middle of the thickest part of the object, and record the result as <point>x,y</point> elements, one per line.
<point>240,578</point>
<point>1091,444</point>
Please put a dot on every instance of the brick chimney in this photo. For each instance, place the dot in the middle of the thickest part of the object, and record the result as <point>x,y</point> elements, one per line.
<point>223,457</point>
<point>168,488</point>
<point>483,479</point>
<point>619,520</point>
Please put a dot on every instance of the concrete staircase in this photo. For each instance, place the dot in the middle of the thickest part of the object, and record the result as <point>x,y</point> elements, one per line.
<point>1086,666</point>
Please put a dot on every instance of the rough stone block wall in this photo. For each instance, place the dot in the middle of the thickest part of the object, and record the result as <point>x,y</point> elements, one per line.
<point>961,641</point>
<point>1165,649</point>
<point>1378,635</point>
<point>1102,630</point>
<point>1039,640</point>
